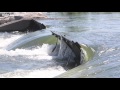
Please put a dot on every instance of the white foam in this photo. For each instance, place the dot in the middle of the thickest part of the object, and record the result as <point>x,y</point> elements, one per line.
<point>45,73</point>
<point>18,62</point>
<point>37,62</point>
<point>43,50</point>
<point>6,39</point>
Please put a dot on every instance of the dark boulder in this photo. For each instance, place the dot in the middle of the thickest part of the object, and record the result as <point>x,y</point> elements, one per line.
<point>21,25</point>
<point>21,22</point>
<point>74,46</point>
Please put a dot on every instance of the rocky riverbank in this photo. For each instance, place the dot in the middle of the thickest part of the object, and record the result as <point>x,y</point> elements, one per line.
<point>21,21</point>
<point>6,17</point>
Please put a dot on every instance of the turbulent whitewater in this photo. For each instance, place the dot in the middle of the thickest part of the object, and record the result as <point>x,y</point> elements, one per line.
<point>33,62</point>
<point>98,30</point>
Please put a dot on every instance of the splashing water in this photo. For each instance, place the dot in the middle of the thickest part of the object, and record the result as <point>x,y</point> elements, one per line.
<point>35,62</point>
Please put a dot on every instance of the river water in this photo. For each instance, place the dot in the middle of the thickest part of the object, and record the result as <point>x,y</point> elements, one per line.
<point>99,30</point>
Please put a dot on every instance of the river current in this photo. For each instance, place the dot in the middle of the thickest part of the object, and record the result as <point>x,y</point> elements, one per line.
<point>99,30</point>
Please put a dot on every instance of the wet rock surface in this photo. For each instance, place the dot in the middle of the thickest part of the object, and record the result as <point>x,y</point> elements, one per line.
<point>6,17</point>
<point>20,21</point>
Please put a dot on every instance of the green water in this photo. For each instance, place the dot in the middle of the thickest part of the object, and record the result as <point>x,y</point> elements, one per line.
<point>97,30</point>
